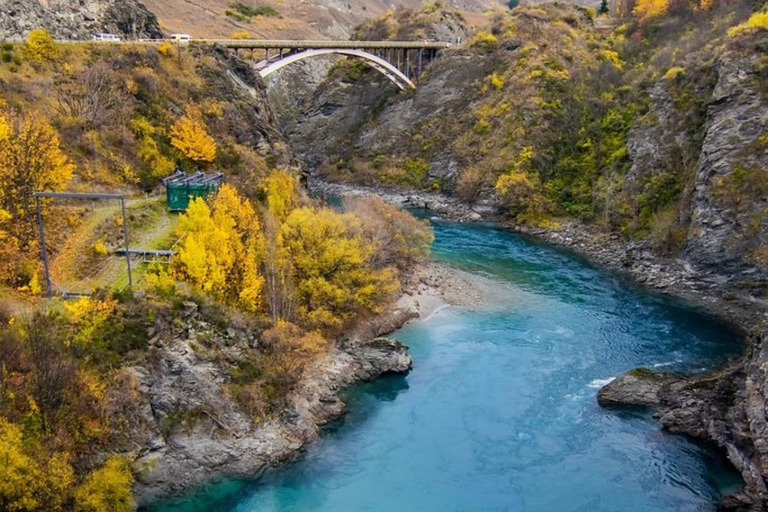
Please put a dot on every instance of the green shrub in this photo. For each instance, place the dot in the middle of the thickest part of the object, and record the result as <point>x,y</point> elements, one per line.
<point>244,12</point>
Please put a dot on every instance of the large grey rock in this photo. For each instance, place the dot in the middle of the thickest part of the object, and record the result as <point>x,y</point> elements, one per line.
<point>641,388</point>
<point>77,19</point>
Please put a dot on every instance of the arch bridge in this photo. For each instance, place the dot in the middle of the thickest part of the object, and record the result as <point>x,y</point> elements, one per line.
<point>402,62</point>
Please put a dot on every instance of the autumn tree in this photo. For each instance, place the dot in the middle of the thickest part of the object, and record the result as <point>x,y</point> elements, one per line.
<point>28,484</point>
<point>40,46</point>
<point>190,136</point>
<point>53,373</point>
<point>108,489</point>
<point>281,190</point>
<point>221,248</point>
<point>150,151</point>
<point>331,266</point>
<point>649,9</point>
<point>93,96</point>
<point>399,238</point>
<point>520,188</point>
<point>289,351</point>
<point>9,247</point>
<point>31,160</point>
<point>19,474</point>
<point>278,276</point>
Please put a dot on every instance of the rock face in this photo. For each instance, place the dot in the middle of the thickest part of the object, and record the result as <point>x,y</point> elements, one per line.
<point>190,430</point>
<point>77,19</point>
<point>724,230</point>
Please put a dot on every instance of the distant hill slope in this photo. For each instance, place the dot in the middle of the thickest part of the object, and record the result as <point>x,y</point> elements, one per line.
<point>299,19</point>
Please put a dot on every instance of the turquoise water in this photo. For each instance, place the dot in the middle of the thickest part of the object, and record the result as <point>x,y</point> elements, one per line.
<point>499,413</point>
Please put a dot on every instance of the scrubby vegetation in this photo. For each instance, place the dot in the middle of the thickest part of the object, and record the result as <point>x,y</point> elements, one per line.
<point>105,117</point>
<point>244,12</point>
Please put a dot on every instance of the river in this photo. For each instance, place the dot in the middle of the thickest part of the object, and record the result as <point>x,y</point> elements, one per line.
<point>499,412</point>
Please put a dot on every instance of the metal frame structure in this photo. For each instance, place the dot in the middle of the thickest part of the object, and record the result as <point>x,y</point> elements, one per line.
<point>41,226</point>
<point>197,184</point>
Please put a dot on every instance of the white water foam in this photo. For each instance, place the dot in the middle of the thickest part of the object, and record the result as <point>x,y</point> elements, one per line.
<point>662,365</point>
<point>599,383</point>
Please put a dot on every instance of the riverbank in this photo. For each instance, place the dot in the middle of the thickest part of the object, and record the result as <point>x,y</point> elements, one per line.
<point>221,441</point>
<point>719,294</point>
<point>726,408</point>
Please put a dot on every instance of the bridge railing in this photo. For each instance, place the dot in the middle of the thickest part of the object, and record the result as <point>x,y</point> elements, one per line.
<point>351,45</point>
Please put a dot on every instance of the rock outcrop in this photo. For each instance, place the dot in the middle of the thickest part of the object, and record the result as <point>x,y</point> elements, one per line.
<point>727,408</point>
<point>191,431</point>
<point>77,19</point>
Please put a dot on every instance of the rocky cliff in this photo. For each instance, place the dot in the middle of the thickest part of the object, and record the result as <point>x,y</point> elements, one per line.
<point>77,19</point>
<point>190,431</point>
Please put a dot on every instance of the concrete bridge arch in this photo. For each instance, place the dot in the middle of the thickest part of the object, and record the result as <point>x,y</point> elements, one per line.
<point>387,69</point>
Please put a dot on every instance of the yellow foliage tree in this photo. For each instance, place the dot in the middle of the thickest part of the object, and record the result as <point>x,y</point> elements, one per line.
<point>40,46</point>
<point>88,316</point>
<point>758,21</point>
<point>19,474</point>
<point>190,136</point>
<point>25,483</point>
<point>149,150</point>
<point>333,276</point>
<point>485,41</point>
<point>221,248</point>
<point>281,188</point>
<point>520,189</point>
<point>30,160</point>
<point>107,489</point>
<point>648,9</point>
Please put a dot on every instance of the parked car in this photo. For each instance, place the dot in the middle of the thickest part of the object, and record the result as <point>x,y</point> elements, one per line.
<point>106,37</point>
<point>181,38</point>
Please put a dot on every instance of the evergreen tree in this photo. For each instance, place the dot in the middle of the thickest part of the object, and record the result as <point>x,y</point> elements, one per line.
<point>604,9</point>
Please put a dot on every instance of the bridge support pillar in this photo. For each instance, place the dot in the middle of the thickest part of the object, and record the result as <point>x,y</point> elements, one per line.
<point>421,65</point>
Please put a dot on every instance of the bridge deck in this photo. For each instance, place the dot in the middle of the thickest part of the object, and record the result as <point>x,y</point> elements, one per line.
<point>352,45</point>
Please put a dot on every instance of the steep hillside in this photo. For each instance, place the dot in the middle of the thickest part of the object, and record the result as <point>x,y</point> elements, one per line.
<point>305,19</point>
<point>547,116</point>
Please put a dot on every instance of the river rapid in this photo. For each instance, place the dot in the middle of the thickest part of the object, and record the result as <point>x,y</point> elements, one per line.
<point>499,412</point>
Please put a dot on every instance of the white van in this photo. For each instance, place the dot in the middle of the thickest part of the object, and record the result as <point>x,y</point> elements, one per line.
<point>181,38</point>
<point>105,37</point>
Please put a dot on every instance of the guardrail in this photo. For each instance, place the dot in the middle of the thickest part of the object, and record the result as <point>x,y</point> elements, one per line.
<point>324,44</point>
<point>285,44</point>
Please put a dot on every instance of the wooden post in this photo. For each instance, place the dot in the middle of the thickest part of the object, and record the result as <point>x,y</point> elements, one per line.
<point>43,248</point>
<point>125,240</point>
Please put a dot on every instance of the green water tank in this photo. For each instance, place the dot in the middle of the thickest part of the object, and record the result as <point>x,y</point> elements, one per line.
<point>181,188</point>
